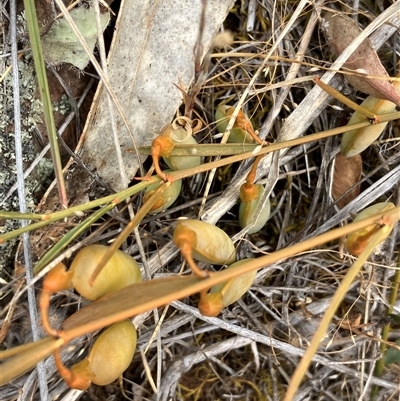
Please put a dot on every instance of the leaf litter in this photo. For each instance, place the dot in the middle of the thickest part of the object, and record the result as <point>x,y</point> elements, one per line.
<point>287,299</point>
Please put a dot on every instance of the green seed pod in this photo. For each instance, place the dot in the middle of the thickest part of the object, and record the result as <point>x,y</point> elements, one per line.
<point>120,271</point>
<point>355,141</point>
<point>209,243</point>
<point>110,356</point>
<point>238,133</point>
<point>227,293</point>
<point>181,136</point>
<point>249,205</point>
<point>168,197</point>
<point>357,241</point>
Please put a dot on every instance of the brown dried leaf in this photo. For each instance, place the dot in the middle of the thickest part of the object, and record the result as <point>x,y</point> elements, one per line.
<point>341,31</point>
<point>346,174</point>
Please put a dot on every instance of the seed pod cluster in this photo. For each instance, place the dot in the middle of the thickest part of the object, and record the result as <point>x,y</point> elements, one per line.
<point>113,350</point>
<point>207,243</point>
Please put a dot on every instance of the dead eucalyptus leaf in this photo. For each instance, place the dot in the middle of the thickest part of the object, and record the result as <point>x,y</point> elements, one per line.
<point>346,175</point>
<point>341,31</point>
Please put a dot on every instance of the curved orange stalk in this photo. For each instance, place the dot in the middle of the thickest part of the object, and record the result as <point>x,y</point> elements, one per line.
<point>185,239</point>
<point>79,380</point>
<point>56,280</point>
<point>243,123</point>
<point>162,146</point>
<point>210,304</point>
<point>248,191</point>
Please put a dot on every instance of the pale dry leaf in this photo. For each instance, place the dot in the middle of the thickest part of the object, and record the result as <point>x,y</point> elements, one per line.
<point>346,175</point>
<point>341,31</point>
<point>60,44</point>
<point>152,50</point>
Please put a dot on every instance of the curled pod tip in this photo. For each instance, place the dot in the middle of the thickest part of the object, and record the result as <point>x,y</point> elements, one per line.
<point>248,209</point>
<point>181,136</point>
<point>120,271</point>
<point>57,279</point>
<point>357,241</point>
<point>162,145</point>
<point>112,352</point>
<point>169,196</point>
<point>209,243</point>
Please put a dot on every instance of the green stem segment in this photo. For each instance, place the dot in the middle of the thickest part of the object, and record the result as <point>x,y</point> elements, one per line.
<point>36,44</point>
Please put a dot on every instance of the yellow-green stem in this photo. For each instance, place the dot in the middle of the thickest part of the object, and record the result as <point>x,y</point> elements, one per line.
<point>36,44</point>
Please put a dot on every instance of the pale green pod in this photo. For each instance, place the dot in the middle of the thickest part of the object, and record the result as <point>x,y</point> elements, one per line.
<point>247,210</point>
<point>120,271</point>
<point>209,243</point>
<point>225,294</point>
<point>180,136</point>
<point>237,135</point>
<point>168,197</point>
<point>235,288</point>
<point>220,118</point>
<point>354,142</point>
<point>357,241</point>
<point>111,354</point>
